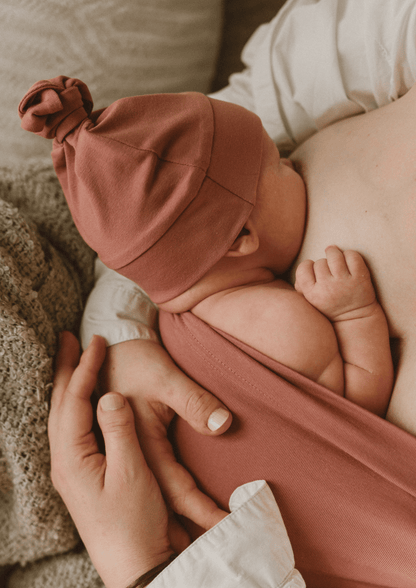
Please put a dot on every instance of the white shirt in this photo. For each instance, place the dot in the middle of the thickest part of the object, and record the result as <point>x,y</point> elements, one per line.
<point>214,561</point>
<point>319,61</point>
<point>316,62</point>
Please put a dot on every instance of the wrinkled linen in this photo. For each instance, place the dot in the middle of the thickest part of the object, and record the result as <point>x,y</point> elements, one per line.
<point>319,61</point>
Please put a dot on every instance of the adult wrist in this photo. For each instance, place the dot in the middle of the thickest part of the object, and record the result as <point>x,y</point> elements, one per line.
<point>149,576</point>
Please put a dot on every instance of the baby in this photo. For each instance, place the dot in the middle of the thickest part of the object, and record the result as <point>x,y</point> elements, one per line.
<point>330,328</point>
<point>188,197</point>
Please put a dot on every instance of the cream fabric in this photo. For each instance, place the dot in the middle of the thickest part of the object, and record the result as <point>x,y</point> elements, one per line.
<point>241,19</point>
<point>118,310</point>
<point>260,553</point>
<point>319,61</point>
<point>118,47</point>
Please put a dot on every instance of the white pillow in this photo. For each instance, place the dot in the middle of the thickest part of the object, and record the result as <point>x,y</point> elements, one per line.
<point>117,47</point>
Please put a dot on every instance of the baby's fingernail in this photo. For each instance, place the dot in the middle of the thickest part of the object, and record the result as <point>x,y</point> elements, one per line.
<point>217,419</point>
<point>112,402</point>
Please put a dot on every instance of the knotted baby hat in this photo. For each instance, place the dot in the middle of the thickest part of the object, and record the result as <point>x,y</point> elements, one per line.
<point>158,185</point>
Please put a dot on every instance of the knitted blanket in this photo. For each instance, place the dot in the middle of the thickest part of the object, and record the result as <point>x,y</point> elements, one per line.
<point>46,272</point>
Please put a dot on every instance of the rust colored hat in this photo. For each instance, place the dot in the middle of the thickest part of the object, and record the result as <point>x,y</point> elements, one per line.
<point>158,185</point>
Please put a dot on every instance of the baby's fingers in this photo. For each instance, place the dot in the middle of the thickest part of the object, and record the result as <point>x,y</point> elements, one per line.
<point>321,270</point>
<point>305,276</point>
<point>337,262</point>
<point>356,265</point>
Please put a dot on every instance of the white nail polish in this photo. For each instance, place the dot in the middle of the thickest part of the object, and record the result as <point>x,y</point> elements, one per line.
<point>112,402</point>
<point>217,419</point>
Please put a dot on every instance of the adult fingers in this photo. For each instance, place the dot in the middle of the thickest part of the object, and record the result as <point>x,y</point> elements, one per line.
<point>116,421</point>
<point>66,361</point>
<point>178,536</point>
<point>84,377</point>
<point>203,411</point>
<point>177,484</point>
<point>145,374</point>
<point>70,419</point>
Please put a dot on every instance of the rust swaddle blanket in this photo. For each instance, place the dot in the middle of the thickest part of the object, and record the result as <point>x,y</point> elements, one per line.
<point>344,479</point>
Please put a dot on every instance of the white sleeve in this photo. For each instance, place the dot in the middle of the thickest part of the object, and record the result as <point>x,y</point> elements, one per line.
<point>118,310</point>
<point>249,548</point>
<point>319,61</point>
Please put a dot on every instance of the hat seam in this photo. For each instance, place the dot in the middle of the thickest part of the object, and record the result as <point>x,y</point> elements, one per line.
<point>230,191</point>
<point>215,181</point>
<point>189,204</point>
<point>106,137</point>
<point>102,136</point>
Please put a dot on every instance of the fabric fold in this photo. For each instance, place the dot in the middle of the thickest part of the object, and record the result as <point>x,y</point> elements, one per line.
<point>341,475</point>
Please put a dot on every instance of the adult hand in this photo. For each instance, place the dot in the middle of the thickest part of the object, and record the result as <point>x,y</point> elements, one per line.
<point>114,499</point>
<point>157,389</point>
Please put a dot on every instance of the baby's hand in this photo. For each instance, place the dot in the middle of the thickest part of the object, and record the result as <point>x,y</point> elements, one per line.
<point>339,286</point>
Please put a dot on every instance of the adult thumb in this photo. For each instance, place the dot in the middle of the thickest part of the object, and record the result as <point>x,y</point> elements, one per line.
<point>201,409</point>
<point>116,421</point>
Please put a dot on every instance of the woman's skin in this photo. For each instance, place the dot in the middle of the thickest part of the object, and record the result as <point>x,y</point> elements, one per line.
<point>361,180</point>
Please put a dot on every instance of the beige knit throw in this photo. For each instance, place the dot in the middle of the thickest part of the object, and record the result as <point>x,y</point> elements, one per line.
<point>46,272</point>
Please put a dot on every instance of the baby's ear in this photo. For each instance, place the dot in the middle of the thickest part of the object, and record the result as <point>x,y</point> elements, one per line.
<point>246,243</point>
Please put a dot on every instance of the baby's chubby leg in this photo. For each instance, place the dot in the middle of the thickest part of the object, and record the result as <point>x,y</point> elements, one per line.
<point>339,286</point>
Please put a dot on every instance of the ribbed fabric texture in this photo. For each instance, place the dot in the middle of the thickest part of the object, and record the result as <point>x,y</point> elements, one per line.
<point>342,476</point>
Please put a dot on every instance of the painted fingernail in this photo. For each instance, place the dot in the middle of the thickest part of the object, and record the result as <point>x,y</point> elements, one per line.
<point>217,419</point>
<point>112,402</point>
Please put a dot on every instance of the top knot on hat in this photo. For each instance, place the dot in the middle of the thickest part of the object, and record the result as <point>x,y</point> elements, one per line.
<point>54,108</point>
<point>158,185</point>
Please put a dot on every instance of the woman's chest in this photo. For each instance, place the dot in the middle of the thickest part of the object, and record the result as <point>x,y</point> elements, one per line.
<point>361,182</point>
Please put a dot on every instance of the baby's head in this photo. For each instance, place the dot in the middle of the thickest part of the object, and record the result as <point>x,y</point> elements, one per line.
<point>159,186</point>
<point>274,230</point>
